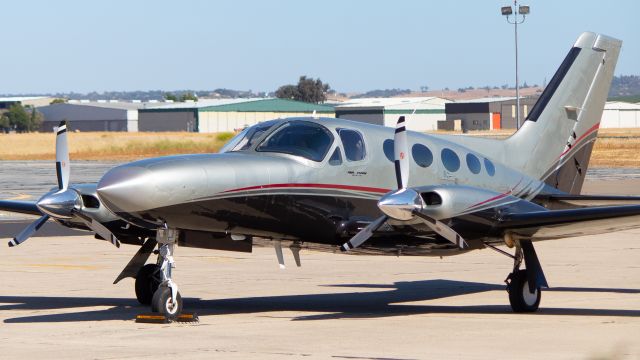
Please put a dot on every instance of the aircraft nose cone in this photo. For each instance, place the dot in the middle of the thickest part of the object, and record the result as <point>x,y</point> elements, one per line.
<point>139,187</point>
<point>126,189</point>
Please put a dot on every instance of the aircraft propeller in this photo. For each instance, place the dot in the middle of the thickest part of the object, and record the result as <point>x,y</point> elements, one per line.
<point>405,203</point>
<point>65,203</point>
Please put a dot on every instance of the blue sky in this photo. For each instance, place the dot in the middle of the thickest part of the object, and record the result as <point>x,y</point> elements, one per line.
<point>60,46</point>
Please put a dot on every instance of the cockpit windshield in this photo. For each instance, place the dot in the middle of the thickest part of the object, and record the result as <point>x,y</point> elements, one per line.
<point>247,137</point>
<point>301,138</point>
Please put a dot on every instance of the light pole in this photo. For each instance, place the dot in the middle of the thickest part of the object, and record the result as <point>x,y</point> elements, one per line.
<point>524,11</point>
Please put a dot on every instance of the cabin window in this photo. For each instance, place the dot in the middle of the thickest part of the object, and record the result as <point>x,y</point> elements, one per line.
<point>473,163</point>
<point>488,165</point>
<point>422,155</point>
<point>450,160</point>
<point>336,158</point>
<point>300,138</point>
<point>354,149</point>
<point>387,147</point>
<point>248,137</point>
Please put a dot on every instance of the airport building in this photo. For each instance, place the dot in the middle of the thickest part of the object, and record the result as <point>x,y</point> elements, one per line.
<point>225,115</point>
<point>618,114</point>
<point>34,101</point>
<point>92,115</point>
<point>181,116</point>
<point>486,113</point>
<point>424,112</point>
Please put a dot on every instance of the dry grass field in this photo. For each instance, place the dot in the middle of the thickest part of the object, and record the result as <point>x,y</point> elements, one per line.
<point>614,148</point>
<point>109,145</point>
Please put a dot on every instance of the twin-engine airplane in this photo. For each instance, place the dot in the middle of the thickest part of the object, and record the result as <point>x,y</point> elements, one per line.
<point>329,184</point>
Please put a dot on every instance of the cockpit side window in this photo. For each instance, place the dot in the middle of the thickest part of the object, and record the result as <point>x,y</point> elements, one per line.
<point>301,138</point>
<point>247,137</point>
<point>354,149</point>
<point>336,158</point>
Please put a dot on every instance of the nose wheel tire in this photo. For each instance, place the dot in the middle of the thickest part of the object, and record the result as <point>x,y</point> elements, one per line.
<point>163,303</point>
<point>148,280</point>
<point>520,298</point>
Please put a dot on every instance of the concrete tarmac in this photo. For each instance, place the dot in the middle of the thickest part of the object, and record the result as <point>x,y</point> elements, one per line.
<point>58,301</point>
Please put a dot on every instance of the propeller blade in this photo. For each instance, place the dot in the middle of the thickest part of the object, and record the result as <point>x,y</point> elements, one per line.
<point>400,150</point>
<point>443,230</point>
<point>28,231</point>
<point>99,229</point>
<point>62,156</point>
<point>364,234</point>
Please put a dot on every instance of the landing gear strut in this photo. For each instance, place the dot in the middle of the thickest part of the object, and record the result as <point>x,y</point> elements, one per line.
<point>524,285</point>
<point>166,299</point>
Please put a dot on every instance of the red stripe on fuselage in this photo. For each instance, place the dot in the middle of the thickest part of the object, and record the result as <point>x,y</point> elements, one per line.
<point>489,200</point>
<point>306,186</point>
<point>497,196</point>
<point>592,129</point>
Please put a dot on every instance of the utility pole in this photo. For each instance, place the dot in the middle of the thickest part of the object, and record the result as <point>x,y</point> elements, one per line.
<point>515,11</point>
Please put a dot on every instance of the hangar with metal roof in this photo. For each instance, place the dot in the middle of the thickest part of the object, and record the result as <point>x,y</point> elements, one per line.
<point>92,115</point>
<point>35,101</point>
<point>226,115</point>
<point>425,112</point>
<point>230,117</point>
<point>487,113</point>
<point>619,114</point>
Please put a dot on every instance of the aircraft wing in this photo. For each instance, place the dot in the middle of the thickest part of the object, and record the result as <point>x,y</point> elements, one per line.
<point>573,201</point>
<point>22,207</point>
<point>555,224</point>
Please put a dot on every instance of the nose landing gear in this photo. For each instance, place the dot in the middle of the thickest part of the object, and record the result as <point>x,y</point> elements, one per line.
<point>154,283</point>
<point>166,299</point>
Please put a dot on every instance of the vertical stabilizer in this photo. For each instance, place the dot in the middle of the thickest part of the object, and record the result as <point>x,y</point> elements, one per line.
<point>555,142</point>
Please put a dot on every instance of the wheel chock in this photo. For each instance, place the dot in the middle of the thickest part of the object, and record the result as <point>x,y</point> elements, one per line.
<point>155,318</point>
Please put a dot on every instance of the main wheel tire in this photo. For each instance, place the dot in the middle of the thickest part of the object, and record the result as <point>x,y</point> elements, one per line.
<point>147,282</point>
<point>163,303</point>
<point>520,298</point>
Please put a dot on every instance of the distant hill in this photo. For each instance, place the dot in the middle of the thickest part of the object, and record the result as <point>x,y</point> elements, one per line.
<point>382,93</point>
<point>146,95</point>
<point>623,88</point>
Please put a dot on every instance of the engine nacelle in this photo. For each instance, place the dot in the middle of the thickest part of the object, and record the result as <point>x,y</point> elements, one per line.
<point>447,201</point>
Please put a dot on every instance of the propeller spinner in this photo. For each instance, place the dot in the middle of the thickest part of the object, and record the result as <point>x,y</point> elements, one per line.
<point>66,203</point>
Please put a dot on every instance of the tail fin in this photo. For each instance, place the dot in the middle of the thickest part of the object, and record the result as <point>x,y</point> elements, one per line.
<point>555,142</point>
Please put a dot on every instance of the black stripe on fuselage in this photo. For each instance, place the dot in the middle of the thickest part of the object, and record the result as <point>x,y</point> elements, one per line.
<point>551,88</point>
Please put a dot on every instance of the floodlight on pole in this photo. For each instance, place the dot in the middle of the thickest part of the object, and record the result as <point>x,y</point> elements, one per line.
<point>524,11</point>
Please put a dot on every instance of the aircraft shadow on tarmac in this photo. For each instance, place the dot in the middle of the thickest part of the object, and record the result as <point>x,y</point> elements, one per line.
<point>385,301</point>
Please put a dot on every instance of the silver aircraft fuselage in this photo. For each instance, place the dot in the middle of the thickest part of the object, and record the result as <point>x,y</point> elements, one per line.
<point>284,196</point>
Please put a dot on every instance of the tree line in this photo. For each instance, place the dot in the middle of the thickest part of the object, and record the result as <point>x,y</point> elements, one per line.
<point>20,119</point>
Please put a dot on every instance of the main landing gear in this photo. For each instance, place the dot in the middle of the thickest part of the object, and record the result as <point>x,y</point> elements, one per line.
<point>524,285</point>
<point>154,285</point>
